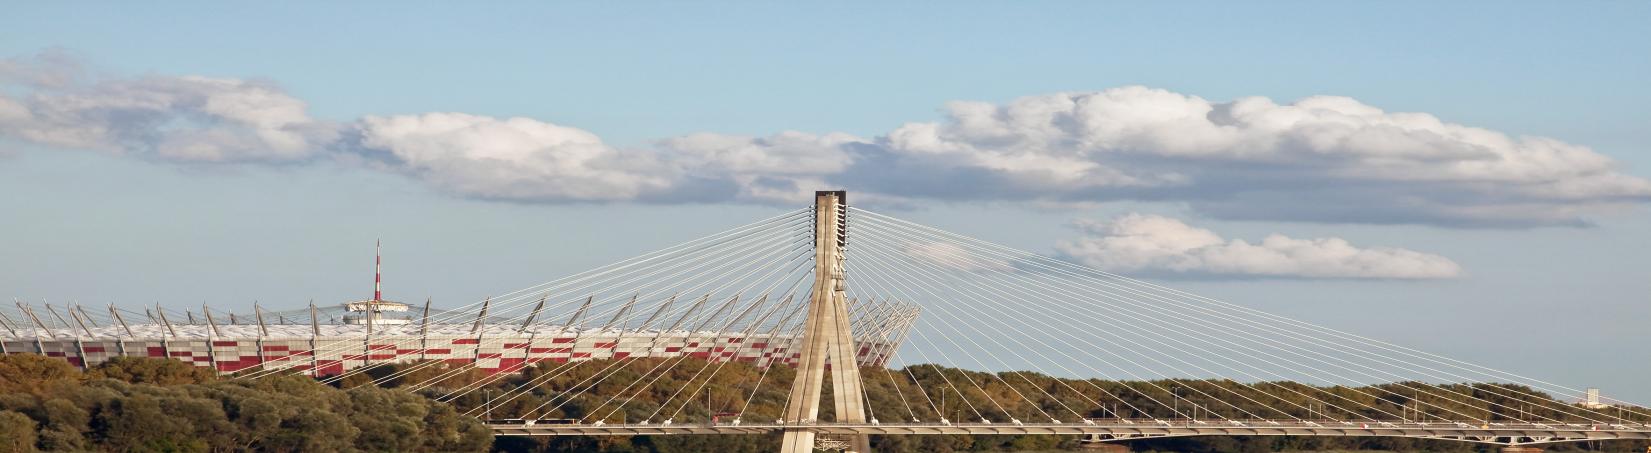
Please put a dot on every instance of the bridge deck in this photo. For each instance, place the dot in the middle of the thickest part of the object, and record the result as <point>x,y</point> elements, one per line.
<point>1496,433</point>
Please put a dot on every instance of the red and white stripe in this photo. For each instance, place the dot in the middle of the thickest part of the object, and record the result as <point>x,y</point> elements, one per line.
<point>378,270</point>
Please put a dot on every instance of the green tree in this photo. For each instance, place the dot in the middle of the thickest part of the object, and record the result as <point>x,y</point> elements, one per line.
<point>16,432</point>
<point>158,405</point>
<point>28,373</point>
<point>150,371</point>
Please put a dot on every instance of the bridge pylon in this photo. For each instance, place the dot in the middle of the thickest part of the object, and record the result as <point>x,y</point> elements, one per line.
<point>827,338</point>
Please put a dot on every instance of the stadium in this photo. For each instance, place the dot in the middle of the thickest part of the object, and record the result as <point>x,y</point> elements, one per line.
<point>728,314</point>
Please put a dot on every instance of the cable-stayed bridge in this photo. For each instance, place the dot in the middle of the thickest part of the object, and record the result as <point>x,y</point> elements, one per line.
<point>631,348</point>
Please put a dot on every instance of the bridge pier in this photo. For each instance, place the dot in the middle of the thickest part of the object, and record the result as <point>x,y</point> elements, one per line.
<point>827,339</point>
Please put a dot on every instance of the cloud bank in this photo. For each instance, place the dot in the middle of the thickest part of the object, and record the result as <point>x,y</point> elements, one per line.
<point>1323,158</point>
<point>1318,159</point>
<point>1139,243</point>
<point>187,118</point>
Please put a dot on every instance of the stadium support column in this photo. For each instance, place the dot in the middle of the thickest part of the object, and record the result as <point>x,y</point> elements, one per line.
<point>527,346</point>
<point>39,346</point>
<point>119,343</point>
<point>315,337</point>
<point>10,327</point>
<point>424,332</point>
<point>6,323</point>
<point>212,336</point>
<point>263,331</point>
<point>166,347</point>
<point>476,360</point>
<point>826,337</point>
<point>79,344</point>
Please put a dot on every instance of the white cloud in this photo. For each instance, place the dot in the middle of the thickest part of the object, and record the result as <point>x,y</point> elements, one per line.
<point>189,118</point>
<point>1249,157</point>
<point>785,167</point>
<point>514,158</point>
<point>1355,140</point>
<point>530,160</point>
<point>50,68</point>
<point>786,153</point>
<point>1318,159</point>
<point>1150,243</point>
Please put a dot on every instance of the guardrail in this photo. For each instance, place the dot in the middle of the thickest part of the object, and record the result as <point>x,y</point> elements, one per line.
<point>1498,433</point>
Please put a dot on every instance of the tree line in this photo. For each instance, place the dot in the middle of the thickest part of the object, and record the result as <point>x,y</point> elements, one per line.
<point>691,390</point>
<point>164,405</point>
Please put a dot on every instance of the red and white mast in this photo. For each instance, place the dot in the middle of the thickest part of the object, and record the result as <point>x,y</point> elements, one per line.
<point>378,271</point>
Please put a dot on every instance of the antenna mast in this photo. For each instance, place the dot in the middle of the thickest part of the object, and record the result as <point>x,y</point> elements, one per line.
<point>378,270</point>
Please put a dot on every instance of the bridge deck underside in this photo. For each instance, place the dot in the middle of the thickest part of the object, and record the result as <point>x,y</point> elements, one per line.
<point>1500,435</point>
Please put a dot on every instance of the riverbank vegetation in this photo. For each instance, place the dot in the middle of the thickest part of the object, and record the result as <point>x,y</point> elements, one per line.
<point>171,406</point>
<point>157,405</point>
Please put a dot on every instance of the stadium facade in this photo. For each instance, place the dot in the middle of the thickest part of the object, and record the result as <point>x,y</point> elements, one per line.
<point>335,348</point>
<point>332,340</point>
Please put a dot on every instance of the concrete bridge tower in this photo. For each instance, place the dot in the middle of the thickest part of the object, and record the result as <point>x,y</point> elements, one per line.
<point>827,339</point>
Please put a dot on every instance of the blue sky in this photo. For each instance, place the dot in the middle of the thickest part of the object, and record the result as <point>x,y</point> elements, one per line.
<point>137,226</point>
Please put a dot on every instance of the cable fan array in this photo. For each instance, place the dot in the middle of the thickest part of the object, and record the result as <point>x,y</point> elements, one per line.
<point>947,328</point>
<point>1159,353</point>
<point>733,297</point>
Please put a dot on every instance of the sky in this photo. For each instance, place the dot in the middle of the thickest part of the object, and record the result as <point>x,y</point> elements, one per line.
<point>1466,178</point>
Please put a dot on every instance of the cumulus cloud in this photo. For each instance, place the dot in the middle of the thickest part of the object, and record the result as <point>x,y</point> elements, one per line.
<point>514,158</point>
<point>1155,244</point>
<point>524,159</point>
<point>1322,158</point>
<point>785,167</point>
<point>164,118</point>
<point>1318,159</point>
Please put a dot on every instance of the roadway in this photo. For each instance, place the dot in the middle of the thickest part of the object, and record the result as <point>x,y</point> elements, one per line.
<point>1492,433</point>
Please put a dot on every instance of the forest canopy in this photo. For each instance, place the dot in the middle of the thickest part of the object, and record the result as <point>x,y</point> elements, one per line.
<point>131,404</point>
<point>161,405</point>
